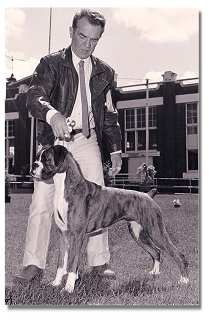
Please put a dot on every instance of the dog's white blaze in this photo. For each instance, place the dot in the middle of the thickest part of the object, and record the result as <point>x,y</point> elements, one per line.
<point>71,279</point>
<point>39,168</point>
<point>156,268</point>
<point>60,204</point>
<point>136,228</point>
<point>39,159</point>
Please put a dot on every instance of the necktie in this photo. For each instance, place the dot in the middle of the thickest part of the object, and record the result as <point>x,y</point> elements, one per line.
<point>84,102</point>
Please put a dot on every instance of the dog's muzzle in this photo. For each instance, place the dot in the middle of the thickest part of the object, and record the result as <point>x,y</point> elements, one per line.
<point>36,169</point>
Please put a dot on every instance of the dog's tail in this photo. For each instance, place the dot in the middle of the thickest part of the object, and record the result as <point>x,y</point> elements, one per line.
<point>168,245</point>
<point>152,192</point>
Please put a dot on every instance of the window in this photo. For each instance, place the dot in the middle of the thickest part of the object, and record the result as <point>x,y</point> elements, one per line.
<point>135,126</point>
<point>130,141</point>
<point>9,145</point>
<point>191,118</point>
<point>192,159</point>
<point>191,113</point>
<point>141,118</point>
<point>192,130</point>
<point>153,144</point>
<point>141,140</point>
<point>130,119</point>
<point>152,117</point>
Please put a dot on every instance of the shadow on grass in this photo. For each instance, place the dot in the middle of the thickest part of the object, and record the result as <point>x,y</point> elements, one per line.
<point>143,287</point>
<point>90,290</point>
<point>43,294</point>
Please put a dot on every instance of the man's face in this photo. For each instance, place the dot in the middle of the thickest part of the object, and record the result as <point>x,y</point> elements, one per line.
<point>85,38</point>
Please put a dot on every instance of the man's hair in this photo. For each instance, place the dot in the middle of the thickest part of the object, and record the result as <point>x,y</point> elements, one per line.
<point>93,17</point>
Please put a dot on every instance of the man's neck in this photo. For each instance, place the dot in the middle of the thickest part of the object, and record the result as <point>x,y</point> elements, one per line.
<point>76,58</point>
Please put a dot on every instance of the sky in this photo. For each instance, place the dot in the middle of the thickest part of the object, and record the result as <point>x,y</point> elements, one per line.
<point>138,42</point>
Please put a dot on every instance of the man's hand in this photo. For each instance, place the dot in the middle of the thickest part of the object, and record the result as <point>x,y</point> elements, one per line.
<point>116,163</point>
<point>59,126</point>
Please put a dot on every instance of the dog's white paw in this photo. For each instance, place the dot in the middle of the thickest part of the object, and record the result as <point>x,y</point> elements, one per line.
<point>70,284</point>
<point>156,268</point>
<point>154,272</point>
<point>183,280</point>
<point>58,280</point>
<point>55,283</point>
<point>69,288</point>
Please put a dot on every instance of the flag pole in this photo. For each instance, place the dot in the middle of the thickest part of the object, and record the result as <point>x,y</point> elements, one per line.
<point>147,123</point>
<point>50,26</point>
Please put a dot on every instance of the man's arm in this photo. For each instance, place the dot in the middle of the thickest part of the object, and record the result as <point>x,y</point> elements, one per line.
<point>112,134</point>
<point>38,101</point>
<point>40,91</point>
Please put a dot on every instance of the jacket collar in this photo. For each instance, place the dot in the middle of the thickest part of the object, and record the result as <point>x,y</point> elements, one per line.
<point>97,66</point>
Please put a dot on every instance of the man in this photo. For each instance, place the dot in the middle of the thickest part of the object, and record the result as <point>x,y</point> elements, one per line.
<point>61,88</point>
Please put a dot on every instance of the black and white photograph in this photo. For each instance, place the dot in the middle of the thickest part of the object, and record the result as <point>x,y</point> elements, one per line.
<point>102,156</point>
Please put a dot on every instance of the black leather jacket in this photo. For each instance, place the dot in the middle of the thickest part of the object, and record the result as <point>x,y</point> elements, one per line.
<point>55,83</point>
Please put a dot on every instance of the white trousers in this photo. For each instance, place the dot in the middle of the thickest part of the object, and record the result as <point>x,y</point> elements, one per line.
<point>87,153</point>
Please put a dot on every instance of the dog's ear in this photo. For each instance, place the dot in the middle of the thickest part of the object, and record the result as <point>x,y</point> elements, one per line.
<point>60,153</point>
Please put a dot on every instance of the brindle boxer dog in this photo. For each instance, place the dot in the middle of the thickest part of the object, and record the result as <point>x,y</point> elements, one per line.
<point>81,207</point>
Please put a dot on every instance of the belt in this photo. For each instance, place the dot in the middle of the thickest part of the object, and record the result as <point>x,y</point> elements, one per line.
<point>72,134</point>
<point>75,131</point>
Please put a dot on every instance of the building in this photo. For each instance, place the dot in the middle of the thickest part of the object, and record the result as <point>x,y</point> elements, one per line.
<point>18,126</point>
<point>159,123</point>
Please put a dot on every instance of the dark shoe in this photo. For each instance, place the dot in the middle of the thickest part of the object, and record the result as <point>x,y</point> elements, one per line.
<point>104,271</point>
<point>28,275</point>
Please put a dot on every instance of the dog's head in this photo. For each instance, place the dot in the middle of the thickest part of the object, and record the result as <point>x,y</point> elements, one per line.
<point>49,161</point>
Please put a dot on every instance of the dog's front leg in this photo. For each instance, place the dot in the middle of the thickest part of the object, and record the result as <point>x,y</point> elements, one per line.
<point>61,271</point>
<point>62,261</point>
<point>76,241</point>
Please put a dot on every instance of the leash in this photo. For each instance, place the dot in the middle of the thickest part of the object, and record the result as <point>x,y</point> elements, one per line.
<point>72,131</point>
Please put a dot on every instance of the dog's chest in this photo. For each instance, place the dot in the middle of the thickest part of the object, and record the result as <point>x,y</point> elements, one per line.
<point>60,204</point>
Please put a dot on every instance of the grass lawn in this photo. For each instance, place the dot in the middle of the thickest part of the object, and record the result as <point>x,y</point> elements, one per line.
<point>133,286</point>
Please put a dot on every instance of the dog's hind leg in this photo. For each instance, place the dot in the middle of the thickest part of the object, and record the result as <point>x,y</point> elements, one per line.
<point>154,251</point>
<point>171,249</point>
<point>181,261</point>
<point>142,239</point>
<point>178,257</point>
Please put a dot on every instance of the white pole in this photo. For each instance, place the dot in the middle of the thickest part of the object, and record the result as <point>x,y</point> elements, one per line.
<point>34,122</point>
<point>147,122</point>
<point>50,26</point>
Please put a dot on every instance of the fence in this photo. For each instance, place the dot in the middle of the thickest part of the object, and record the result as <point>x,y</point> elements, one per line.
<point>180,185</point>
<point>18,183</point>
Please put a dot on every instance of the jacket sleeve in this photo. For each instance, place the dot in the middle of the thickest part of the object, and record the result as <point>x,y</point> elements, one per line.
<point>41,88</point>
<point>111,129</point>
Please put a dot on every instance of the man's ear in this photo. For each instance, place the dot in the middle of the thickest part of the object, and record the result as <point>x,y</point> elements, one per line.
<point>71,32</point>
